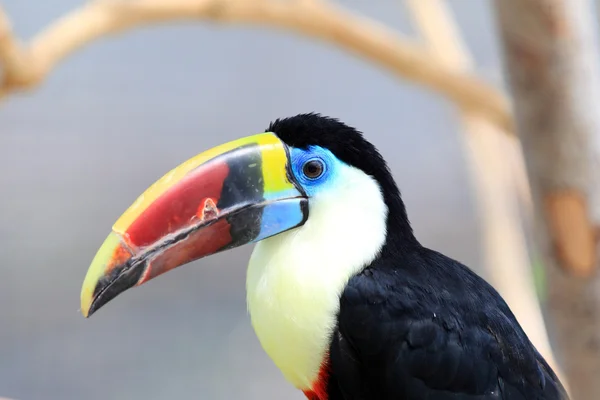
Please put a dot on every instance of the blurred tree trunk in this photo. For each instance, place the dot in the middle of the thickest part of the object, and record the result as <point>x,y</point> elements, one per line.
<point>549,50</point>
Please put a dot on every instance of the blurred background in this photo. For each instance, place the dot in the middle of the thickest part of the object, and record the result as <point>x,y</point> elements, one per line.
<point>117,115</point>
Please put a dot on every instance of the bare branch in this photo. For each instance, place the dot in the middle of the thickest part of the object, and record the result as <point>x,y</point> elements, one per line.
<point>8,46</point>
<point>314,18</point>
<point>15,61</point>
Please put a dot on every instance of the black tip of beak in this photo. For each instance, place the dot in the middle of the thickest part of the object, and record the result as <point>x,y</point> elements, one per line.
<point>122,278</point>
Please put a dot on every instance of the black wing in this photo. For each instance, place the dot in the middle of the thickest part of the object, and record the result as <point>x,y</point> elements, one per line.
<point>430,329</point>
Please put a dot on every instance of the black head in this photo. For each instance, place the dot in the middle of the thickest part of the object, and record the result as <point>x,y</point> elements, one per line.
<point>349,146</point>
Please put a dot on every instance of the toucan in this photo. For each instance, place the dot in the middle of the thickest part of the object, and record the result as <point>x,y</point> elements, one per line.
<point>342,296</point>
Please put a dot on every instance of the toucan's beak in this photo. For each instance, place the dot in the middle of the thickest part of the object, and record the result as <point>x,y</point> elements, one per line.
<point>233,194</point>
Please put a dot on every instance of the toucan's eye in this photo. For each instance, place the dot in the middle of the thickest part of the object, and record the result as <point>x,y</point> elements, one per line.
<point>313,169</point>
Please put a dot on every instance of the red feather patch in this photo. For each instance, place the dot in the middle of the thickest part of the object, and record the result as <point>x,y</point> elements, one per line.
<point>319,387</point>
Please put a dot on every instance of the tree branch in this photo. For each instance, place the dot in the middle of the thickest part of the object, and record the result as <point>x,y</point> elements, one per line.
<point>28,66</point>
<point>13,57</point>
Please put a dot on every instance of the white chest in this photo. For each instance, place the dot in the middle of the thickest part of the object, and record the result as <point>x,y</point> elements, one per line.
<point>293,309</point>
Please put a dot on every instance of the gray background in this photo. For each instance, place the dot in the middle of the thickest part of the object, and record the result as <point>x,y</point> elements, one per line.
<point>120,113</point>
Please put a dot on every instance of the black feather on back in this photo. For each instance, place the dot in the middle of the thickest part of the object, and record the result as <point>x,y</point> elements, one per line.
<point>421,326</point>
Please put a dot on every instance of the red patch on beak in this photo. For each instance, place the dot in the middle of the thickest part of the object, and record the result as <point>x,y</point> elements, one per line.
<point>193,197</point>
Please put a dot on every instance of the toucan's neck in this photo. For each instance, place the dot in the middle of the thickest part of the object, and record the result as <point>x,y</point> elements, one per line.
<point>400,237</point>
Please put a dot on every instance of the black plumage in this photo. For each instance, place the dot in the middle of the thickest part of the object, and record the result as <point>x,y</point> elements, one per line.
<point>415,324</point>
<point>420,325</point>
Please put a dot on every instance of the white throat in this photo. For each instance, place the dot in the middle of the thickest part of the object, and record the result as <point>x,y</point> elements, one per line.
<point>295,278</point>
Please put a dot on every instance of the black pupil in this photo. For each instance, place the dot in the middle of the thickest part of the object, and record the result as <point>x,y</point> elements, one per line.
<point>313,169</point>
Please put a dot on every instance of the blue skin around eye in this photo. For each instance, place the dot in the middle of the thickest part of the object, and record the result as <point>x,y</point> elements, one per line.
<point>282,215</point>
<point>330,164</point>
